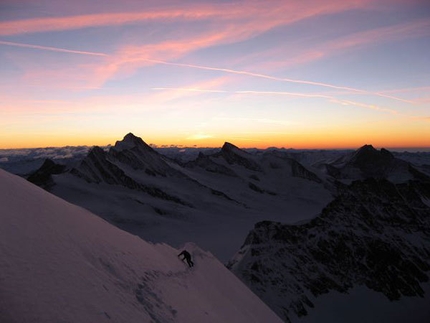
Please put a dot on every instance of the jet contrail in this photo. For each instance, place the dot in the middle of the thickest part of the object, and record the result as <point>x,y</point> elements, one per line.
<point>188,89</point>
<point>296,94</point>
<point>53,49</point>
<point>326,85</point>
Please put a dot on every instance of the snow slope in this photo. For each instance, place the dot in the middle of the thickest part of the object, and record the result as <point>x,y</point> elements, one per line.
<point>61,263</point>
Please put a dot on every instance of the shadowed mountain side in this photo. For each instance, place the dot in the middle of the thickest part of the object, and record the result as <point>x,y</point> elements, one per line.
<point>374,234</point>
<point>135,153</point>
<point>274,162</point>
<point>206,162</point>
<point>233,155</point>
<point>97,167</point>
<point>43,176</point>
<point>367,162</point>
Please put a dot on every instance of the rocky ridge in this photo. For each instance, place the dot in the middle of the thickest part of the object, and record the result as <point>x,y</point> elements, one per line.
<point>374,234</point>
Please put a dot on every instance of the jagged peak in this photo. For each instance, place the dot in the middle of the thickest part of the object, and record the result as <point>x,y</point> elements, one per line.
<point>233,154</point>
<point>227,145</point>
<point>96,151</point>
<point>130,141</point>
<point>369,152</point>
<point>230,148</point>
<point>367,147</point>
<point>48,163</point>
<point>130,137</point>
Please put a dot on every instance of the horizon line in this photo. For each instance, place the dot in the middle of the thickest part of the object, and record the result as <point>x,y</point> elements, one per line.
<point>172,146</point>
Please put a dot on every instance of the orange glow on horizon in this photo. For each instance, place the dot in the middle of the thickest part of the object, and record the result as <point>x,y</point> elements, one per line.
<point>310,141</point>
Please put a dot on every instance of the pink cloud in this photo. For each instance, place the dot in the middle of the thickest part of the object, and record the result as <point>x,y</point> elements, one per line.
<point>414,29</point>
<point>260,16</point>
<point>37,25</point>
<point>249,23</point>
<point>409,30</point>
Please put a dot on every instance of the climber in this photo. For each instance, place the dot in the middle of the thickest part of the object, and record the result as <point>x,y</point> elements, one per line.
<point>187,257</point>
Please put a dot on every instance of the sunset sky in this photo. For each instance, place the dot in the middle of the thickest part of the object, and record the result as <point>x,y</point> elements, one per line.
<point>257,73</point>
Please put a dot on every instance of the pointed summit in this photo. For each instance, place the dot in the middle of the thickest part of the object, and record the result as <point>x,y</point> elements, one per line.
<point>235,155</point>
<point>367,156</point>
<point>368,162</point>
<point>134,152</point>
<point>43,176</point>
<point>229,148</point>
<point>130,141</point>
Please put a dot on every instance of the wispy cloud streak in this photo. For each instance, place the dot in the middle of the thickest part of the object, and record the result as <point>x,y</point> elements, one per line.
<point>257,13</point>
<point>53,49</point>
<point>38,25</point>
<point>283,93</point>
<point>281,79</point>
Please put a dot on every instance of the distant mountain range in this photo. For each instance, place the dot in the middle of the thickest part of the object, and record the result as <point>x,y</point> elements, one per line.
<point>324,221</point>
<point>135,187</point>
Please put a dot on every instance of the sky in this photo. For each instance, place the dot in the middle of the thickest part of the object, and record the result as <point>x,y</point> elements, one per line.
<point>293,74</point>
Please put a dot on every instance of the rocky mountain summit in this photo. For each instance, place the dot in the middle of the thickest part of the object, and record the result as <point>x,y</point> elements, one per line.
<point>368,162</point>
<point>374,234</point>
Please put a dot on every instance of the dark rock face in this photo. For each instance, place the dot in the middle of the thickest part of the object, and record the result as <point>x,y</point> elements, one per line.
<point>97,168</point>
<point>234,155</point>
<point>209,165</point>
<point>43,176</point>
<point>375,233</point>
<point>300,171</point>
<point>368,162</point>
<point>135,153</point>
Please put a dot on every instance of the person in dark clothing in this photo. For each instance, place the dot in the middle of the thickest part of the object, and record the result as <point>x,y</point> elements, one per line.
<point>186,256</point>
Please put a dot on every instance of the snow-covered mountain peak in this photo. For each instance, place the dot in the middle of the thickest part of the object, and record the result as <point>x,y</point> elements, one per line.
<point>96,152</point>
<point>368,162</point>
<point>61,263</point>
<point>369,156</point>
<point>235,155</point>
<point>367,147</point>
<point>229,147</point>
<point>131,141</point>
